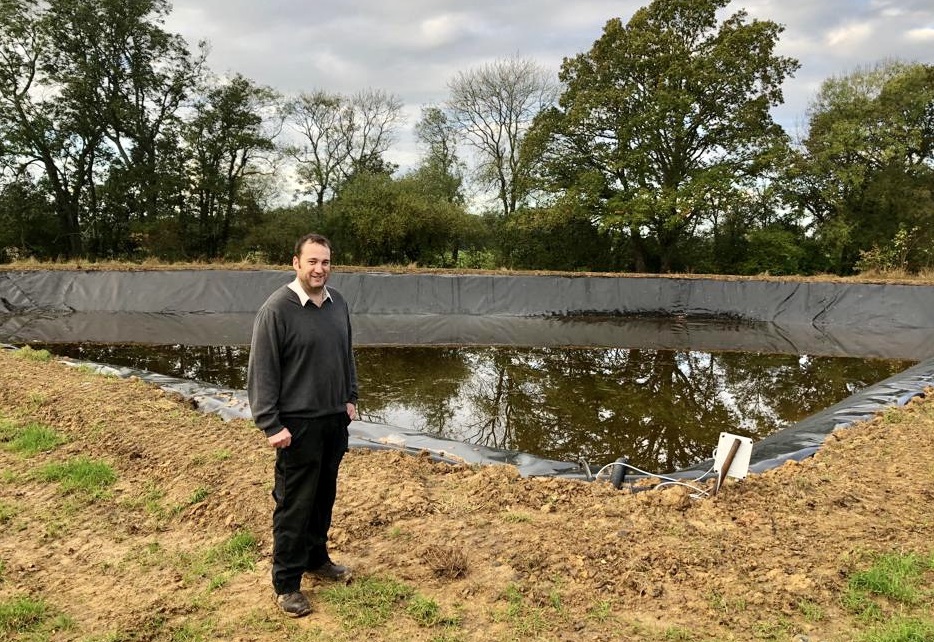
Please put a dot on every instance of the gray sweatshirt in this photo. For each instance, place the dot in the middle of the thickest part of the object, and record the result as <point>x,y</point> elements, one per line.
<point>301,360</point>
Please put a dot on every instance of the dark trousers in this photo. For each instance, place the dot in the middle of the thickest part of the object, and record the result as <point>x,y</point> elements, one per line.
<point>304,492</point>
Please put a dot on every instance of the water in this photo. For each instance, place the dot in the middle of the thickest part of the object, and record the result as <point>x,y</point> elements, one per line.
<point>663,409</point>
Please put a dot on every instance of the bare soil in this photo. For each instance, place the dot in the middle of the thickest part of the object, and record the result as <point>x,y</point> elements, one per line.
<point>505,557</point>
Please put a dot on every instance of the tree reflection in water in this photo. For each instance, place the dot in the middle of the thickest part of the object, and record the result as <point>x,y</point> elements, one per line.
<point>662,409</point>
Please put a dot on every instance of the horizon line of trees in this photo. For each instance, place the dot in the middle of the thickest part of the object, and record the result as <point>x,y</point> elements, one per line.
<point>654,151</point>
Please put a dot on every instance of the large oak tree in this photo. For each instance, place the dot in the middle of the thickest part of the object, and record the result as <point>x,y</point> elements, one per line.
<point>664,122</point>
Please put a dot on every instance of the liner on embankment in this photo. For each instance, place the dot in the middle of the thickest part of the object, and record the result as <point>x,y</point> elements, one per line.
<point>217,306</point>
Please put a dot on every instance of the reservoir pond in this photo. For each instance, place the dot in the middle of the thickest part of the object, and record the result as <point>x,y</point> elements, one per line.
<point>662,409</point>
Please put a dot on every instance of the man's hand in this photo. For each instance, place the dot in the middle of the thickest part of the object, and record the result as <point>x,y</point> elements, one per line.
<point>352,411</point>
<point>282,439</point>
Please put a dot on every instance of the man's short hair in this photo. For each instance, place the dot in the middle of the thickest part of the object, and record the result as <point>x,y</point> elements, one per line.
<point>311,238</point>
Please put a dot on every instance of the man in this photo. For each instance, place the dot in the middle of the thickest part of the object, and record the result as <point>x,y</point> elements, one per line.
<point>302,386</point>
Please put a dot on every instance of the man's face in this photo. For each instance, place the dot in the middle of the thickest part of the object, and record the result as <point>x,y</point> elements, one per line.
<point>312,267</point>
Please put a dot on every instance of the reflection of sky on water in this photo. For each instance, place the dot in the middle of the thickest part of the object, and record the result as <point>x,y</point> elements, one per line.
<point>662,409</point>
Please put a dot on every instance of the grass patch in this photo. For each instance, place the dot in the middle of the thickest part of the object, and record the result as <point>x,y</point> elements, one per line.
<point>368,602</point>
<point>811,611</point>
<point>238,554</point>
<point>199,495</point>
<point>427,613</point>
<point>895,576</point>
<point>677,634</point>
<point>221,455</point>
<point>526,620</point>
<point>80,475</point>
<point>21,615</point>
<point>193,631</point>
<point>26,352</point>
<point>901,630</point>
<point>30,440</point>
<point>601,612</point>
<point>7,512</point>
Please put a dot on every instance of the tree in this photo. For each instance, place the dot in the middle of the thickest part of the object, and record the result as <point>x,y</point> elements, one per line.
<point>89,94</point>
<point>864,173</point>
<point>493,106</point>
<point>117,63</point>
<point>340,136</point>
<point>44,129</point>
<point>229,138</point>
<point>664,122</point>
<point>441,169</point>
<point>380,220</point>
<point>28,228</point>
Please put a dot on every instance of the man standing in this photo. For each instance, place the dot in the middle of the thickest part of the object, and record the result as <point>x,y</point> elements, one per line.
<point>302,386</point>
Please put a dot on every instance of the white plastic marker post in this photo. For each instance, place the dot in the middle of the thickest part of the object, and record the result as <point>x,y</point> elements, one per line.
<point>733,453</point>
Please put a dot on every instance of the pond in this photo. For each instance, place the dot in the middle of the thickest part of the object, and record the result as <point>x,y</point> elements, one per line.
<point>662,409</point>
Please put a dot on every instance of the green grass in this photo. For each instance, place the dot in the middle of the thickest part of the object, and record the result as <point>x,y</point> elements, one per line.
<point>811,611</point>
<point>427,613</point>
<point>238,554</point>
<point>885,592</point>
<point>199,495</point>
<point>601,611</point>
<point>368,602</point>
<point>26,352</point>
<point>20,615</point>
<point>526,620</point>
<point>80,475</point>
<point>901,630</point>
<point>893,575</point>
<point>29,440</point>
<point>7,512</point>
<point>678,634</point>
<point>193,631</point>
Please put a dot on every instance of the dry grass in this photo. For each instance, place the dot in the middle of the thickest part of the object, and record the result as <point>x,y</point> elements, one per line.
<point>925,277</point>
<point>448,562</point>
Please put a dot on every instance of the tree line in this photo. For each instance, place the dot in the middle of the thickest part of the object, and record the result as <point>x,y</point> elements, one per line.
<point>653,151</point>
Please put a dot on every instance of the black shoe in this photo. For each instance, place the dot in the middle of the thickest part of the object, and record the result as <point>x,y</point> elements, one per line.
<point>331,572</point>
<point>294,604</point>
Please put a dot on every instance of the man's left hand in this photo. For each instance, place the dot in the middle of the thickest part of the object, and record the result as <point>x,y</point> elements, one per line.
<point>352,411</point>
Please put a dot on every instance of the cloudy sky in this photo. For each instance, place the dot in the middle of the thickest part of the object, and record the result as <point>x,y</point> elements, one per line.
<point>412,48</point>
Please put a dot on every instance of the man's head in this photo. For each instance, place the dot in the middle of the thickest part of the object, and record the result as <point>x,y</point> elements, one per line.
<point>312,262</point>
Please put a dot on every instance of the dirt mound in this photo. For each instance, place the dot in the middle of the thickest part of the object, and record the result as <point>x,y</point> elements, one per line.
<point>505,557</point>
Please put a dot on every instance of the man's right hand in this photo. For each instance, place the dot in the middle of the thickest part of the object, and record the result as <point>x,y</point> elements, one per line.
<point>282,439</point>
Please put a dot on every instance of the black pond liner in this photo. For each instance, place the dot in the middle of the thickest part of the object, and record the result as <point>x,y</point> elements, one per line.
<point>216,307</point>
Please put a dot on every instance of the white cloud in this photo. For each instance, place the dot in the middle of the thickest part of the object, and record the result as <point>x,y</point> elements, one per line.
<point>446,29</point>
<point>850,36</point>
<point>923,34</point>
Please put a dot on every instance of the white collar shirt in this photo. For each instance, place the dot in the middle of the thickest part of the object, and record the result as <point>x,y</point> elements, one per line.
<point>303,298</point>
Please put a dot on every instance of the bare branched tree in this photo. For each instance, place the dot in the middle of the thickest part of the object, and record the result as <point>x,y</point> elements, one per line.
<point>493,107</point>
<point>340,136</point>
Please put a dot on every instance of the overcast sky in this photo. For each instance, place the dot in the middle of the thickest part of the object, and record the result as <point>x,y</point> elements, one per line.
<point>412,48</point>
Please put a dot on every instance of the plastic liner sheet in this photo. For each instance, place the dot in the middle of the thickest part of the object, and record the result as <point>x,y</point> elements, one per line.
<point>824,304</point>
<point>797,442</point>
<point>668,333</point>
<point>216,307</point>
